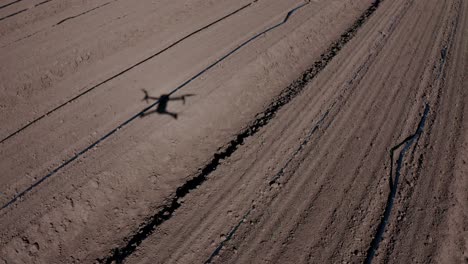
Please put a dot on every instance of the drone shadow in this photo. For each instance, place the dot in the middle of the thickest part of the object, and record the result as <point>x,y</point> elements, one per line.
<point>161,107</point>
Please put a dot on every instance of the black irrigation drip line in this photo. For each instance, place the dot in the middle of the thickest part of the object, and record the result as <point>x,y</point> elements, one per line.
<point>84,13</point>
<point>125,123</point>
<point>241,46</point>
<point>124,71</point>
<point>14,14</point>
<point>22,10</point>
<point>41,3</point>
<point>407,143</point>
<point>9,4</point>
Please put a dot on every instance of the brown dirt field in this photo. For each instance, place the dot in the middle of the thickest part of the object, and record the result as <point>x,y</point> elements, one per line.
<point>321,131</point>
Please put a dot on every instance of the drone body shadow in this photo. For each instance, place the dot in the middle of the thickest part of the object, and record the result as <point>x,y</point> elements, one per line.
<point>161,107</point>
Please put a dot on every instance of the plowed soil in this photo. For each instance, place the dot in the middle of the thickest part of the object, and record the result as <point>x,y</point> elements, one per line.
<point>233,131</point>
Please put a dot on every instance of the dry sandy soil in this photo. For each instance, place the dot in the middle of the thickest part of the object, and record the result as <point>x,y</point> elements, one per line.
<point>321,131</point>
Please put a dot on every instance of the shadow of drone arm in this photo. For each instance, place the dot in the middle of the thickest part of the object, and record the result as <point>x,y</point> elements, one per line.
<point>182,97</point>
<point>147,97</point>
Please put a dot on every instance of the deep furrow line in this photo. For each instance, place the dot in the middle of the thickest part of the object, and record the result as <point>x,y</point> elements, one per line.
<point>407,143</point>
<point>124,71</point>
